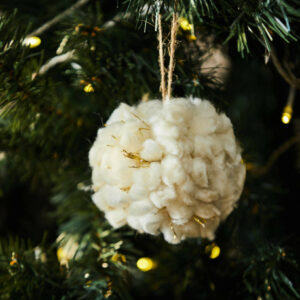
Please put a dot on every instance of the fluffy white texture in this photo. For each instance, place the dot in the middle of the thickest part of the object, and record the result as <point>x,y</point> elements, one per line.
<point>172,167</point>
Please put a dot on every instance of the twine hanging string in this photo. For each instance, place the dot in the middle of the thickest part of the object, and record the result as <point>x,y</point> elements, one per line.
<point>166,94</point>
<point>174,28</point>
<point>161,59</point>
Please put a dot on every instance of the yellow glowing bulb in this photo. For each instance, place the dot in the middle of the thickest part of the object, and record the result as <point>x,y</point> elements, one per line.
<point>286,118</point>
<point>191,37</point>
<point>88,88</point>
<point>145,264</point>
<point>62,256</point>
<point>32,41</point>
<point>215,252</point>
<point>287,114</point>
<point>184,24</point>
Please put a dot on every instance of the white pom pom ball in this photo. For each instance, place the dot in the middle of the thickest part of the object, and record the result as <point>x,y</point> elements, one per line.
<point>172,167</point>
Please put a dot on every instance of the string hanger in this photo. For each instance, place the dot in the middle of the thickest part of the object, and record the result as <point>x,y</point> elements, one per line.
<point>166,90</point>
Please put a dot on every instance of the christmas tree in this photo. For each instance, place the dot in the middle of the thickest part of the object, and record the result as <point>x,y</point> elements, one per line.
<point>65,67</point>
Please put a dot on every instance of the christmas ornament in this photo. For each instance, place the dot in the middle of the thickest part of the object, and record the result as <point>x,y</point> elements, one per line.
<point>172,167</point>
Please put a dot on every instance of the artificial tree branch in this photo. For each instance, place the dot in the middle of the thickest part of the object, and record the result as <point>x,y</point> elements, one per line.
<point>70,54</point>
<point>284,70</point>
<point>56,60</point>
<point>59,17</point>
<point>275,155</point>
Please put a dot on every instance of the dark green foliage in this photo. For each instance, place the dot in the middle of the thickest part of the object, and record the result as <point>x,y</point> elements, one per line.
<point>29,273</point>
<point>242,20</point>
<point>266,274</point>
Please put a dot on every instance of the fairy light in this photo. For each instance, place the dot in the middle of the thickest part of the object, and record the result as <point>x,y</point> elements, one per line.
<point>213,250</point>
<point>187,26</point>
<point>191,37</point>
<point>184,24</point>
<point>145,264</point>
<point>61,256</point>
<point>32,41</point>
<point>66,250</point>
<point>288,109</point>
<point>88,88</point>
<point>287,114</point>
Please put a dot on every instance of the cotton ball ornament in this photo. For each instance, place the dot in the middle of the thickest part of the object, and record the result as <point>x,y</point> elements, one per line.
<point>171,167</point>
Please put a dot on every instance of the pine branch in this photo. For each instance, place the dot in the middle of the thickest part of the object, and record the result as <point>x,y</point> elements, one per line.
<point>266,274</point>
<point>58,18</point>
<point>238,19</point>
<point>71,54</point>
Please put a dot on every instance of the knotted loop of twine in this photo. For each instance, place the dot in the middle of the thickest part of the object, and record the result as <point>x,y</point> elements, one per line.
<point>167,92</point>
